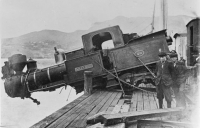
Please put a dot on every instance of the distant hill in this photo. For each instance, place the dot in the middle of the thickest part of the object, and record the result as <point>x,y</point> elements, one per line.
<point>41,44</point>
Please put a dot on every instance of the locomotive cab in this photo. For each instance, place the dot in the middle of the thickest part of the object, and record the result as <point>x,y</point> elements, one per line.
<point>93,41</point>
<point>103,40</point>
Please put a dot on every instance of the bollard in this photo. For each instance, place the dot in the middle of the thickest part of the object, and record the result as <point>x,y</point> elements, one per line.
<point>88,82</point>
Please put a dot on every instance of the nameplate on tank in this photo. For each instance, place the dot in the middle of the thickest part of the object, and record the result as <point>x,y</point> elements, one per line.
<point>139,53</point>
<point>83,67</point>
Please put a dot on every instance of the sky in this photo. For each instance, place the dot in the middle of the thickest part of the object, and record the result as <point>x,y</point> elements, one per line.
<point>20,17</point>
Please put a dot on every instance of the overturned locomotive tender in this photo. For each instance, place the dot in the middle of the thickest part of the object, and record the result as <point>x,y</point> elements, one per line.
<point>129,60</point>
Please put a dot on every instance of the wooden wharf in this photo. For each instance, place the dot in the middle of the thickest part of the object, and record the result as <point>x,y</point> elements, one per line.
<point>76,113</point>
<point>110,107</point>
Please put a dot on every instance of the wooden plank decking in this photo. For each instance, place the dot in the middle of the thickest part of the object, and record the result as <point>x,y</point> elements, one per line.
<point>77,112</point>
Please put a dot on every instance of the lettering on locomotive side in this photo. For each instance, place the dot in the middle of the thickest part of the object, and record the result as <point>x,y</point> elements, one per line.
<point>83,67</point>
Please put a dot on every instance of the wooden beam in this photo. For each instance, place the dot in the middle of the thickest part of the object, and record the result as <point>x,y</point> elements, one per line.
<point>110,119</point>
<point>159,123</point>
<point>130,116</point>
<point>120,125</point>
<point>99,125</point>
<point>88,82</point>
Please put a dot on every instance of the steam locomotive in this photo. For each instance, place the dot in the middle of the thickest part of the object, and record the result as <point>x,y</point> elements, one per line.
<point>132,59</point>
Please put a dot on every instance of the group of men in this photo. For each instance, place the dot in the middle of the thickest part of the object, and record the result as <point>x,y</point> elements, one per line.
<point>171,78</point>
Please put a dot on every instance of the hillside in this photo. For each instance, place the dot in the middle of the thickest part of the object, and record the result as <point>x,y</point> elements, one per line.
<point>41,44</point>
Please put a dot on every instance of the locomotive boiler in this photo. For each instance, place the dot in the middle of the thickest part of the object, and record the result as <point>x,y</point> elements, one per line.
<point>131,59</point>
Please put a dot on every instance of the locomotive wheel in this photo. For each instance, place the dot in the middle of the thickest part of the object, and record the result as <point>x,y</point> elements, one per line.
<point>150,81</point>
<point>147,85</point>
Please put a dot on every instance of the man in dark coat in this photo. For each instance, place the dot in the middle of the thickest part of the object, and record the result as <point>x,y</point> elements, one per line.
<point>164,80</point>
<point>179,76</point>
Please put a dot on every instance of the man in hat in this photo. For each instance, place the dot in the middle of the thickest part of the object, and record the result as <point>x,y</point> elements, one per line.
<point>168,54</point>
<point>164,80</point>
<point>179,76</point>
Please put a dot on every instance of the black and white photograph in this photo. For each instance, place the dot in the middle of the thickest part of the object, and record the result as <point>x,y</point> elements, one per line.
<point>100,64</point>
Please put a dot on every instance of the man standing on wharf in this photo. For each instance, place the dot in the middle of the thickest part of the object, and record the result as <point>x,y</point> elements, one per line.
<point>164,81</point>
<point>180,74</point>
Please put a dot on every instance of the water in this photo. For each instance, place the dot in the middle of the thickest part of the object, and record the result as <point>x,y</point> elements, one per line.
<point>23,113</point>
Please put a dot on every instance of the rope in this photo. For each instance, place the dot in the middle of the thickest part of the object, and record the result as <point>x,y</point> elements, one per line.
<point>141,23</point>
<point>143,63</point>
<point>117,75</point>
<point>144,28</point>
<point>119,78</point>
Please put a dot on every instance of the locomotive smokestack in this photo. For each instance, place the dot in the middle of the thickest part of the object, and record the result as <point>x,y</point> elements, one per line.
<point>17,62</point>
